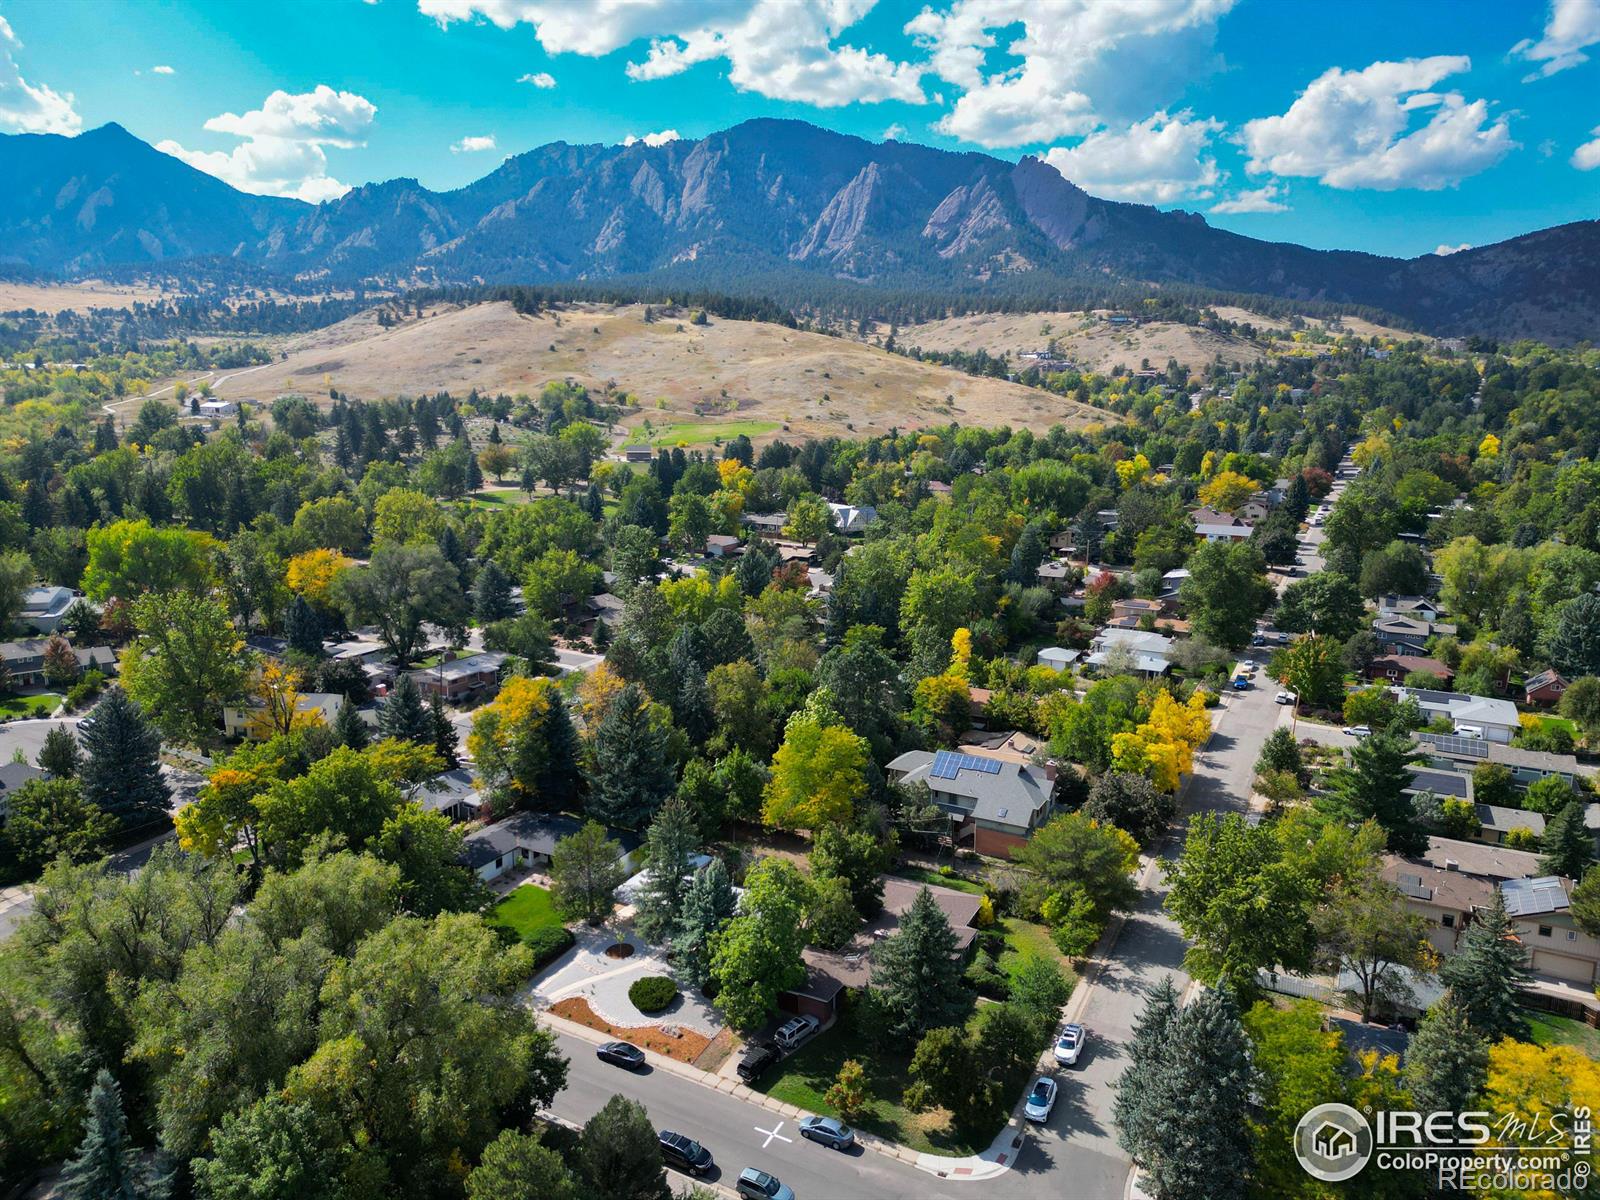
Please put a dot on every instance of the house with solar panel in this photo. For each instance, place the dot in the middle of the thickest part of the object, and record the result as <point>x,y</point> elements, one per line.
<point>994,805</point>
<point>1558,951</point>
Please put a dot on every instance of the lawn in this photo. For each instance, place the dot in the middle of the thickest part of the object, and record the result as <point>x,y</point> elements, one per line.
<point>19,707</point>
<point>933,879</point>
<point>1024,939</point>
<point>499,496</point>
<point>1551,1030</point>
<point>804,1080</point>
<point>697,433</point>
<point>527,909</point>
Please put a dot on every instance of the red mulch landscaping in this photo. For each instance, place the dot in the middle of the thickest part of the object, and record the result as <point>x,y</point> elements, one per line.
<point>686,1047</point>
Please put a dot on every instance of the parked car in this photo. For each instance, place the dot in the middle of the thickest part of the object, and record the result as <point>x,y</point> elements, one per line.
<point>1070,1044</point>
<point>1241,682</point>
<point>758,1056</point>
<point>794,1033</point>
<point>1357,731</point>
<point>828,1131</point>
<point>685,1154</point>
<point>758,1185</point>
<point>1285,697</point>
<point>621,1054</point>
<point>1041,1099</point>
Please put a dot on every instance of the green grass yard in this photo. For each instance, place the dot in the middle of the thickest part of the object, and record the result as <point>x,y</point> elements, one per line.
<point>1551,1030</point>
<point>697,433</point>
<point>22,707</point>
<point>525,910</point>
<point>933,879</point>
<point>1024,940</point>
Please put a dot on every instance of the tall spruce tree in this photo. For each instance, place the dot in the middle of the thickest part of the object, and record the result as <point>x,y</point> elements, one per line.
<point>706,907</point>
<point>916,973</point>
<point>1568,845</point>
<point>632,776</point>
<point>491,597</point>
<point>1137,1118</point>
<point>350,729</point>
<point>672,842</point>
<point>1488,972</point>
<point>60,754</point>
<point>403,714</point>
<point>1202,1099</point>
<point>445,739</point>
<point>1375,786</point>
<point>1446,1060</point>
<point>304,628</point>
<point>107,1165</point>
<point>121,771</point>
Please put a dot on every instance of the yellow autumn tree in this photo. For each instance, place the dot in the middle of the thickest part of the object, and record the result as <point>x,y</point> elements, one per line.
<point>596,691</point>
<point>1541,1086</point>
<point>277,690</point>
<point>523,701</point>
<point>1489,447</point>
<point>1163,744</point>
<point>818,775</point>
<point>312,574</point>
<point>1227,491</point>
<point>960,653</point>
<point>1132,470</point>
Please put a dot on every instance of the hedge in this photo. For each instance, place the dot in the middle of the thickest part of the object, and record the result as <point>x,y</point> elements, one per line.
<point>548,944</point>
<point>652,993</point>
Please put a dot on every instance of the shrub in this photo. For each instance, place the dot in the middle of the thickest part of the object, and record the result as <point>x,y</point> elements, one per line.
<point>548,943</point>
<point>652,993</point>
<point>1522,838</point>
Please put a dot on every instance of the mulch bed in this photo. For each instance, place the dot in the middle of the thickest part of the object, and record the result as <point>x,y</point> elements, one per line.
<point>686,1047</point>
<point>620,950</point>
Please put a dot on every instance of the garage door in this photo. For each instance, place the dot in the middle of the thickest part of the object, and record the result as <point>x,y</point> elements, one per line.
<point>1563,966</point>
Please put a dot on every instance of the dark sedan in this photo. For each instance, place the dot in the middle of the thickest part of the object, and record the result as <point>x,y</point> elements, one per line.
<point>621,1054</point>
<point>684,1154</point>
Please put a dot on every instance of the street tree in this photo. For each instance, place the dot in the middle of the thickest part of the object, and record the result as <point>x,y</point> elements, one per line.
<point>1367,928</point>
<point>1133,804</point>
<point>619,1154</point>
<point>1312,667</point>
<point>186,663</point>
<point>1138,1118</point>
<point>1226,591</point>
<point>1325,603</point>
<point>517,1166</point>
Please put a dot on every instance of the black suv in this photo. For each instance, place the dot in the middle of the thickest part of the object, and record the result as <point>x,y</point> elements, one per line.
<point>684,1154</point>
<point>757,1058</point>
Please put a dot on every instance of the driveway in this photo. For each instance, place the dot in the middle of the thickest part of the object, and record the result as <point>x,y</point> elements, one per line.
<point>604,982</point>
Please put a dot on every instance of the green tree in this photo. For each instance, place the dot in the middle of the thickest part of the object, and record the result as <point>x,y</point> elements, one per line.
<point>818,775</point>
<point>946,1071</point>
<point>1325,603</point>
<point>1573,645</point>
<point>426,846</point>
<point>1312,667</point>
<point>633,775</point>
<point>847,1094</point>
<point>1133,804</point>
<point>187,662</point>
<point>1548,795</point>
<point>516,1166</point>
<point>672,842</point>
<point>1226,591</point>
<point>1374,786</point>
<point>1366,927</point>
<point>1487,973</point>
<point>343,794</point>
<point>1397,568</point>
<point>47,818</point>
<point>121,770</point>
<point>60,754</point>
<point>619,1155</point>
<point>107,1165</point>
<point>1586,903</point>
<point>916,973</point>
<point>809,519</point>
<point>1298,1065</point>
<point>1039,986</point>
<point>276,1149</point>
<point>1073,855</point>
<point>1447,1060</point>
<point>857,856</point>
<point>401,588</point>
<point>303,628</point>
<point>706,907</point>
<point>1568,845</point>
<point>402,714</point>
<point>1494,784</point>
<point>1280,752</point>
<point>755,957</point>
<point>585,872</point>
<point>1138,1118</point>
<point>1580,703</point>
<point>349,727</point>
<point>491,595</point>
<point>128,559</point>
<point>16,577</point>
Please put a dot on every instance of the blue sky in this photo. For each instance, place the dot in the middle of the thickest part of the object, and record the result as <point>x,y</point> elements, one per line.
<point>1398,127</point>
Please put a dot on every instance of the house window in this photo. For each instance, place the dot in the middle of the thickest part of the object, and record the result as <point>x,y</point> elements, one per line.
<point>1449,920</point>
<point>1544,931</point>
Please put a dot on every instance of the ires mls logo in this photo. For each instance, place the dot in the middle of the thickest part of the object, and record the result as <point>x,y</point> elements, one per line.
<point>1333,1142</point>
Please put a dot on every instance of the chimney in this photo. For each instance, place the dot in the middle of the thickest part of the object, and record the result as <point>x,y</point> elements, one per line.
<point>1451,864</point>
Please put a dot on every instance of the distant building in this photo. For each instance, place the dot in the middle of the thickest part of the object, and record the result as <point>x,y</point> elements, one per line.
<point>1058,658</point>
<point>217,408</point>
<point>1544,689</point>
<point>850,519</point>
<point>455,680</point>
<point>45,608</point>
<point>1150,652</point>
<point>243,720</point>
<point>528,839</point>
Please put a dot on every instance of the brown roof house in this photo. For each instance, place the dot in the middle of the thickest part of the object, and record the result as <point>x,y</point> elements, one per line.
<point>1393,668</point>
<point>994,806</point>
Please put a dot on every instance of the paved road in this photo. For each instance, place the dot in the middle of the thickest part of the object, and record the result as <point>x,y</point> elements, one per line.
<point>736,1133</point>
<point>28,736</point>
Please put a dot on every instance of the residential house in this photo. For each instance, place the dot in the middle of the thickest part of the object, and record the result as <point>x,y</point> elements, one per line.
<point>724,545</point>
<point>937,487</point>
<point>851,519</point>
<point>1210,516</point>
<point>1393,668</point>
<point>794,552</point>
<point>528,839</point>
<point>1053,574</point>
<point>1151,653</point>
<point>767,525</point>
<point>1416,607</point>
<point>96,658</point>
<point>369,652</point>
<point>458,680</point>
<point>1496,822</point>
<point>1065,542</point>
<point>1058,658</point>
<point>1558,950</point>
<point>1445,899</point>
<point>1480,861</point>
<point>1526,766</point>
<point>1406,635</point>
<point>829,972</point>
<point>217,408</point>
<point>1135,610</point>
<point>1171,584</point>
<point>1223,533</point>
<point>12,776</point>
<point>994,806</point>
<point>604,607</point>
<point>24,661</point>
<point>1543,689</point>
<point>244,719</point>
<point>455,794</point>
<point>45,608</point>
<point>1473,716</point>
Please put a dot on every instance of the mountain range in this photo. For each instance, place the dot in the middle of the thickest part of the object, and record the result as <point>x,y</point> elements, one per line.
<point>769,205</point>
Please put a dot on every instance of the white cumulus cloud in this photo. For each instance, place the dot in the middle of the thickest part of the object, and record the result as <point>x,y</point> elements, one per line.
<point>27,107</point>
<point>1587,156</point>
<point>1258,200</point>
<point>894,133</point>
<point>471,145</point>
<point>1444,249</point>
<point>543,80</point>
<point>653,139</point>
<point>1571,28</point>
<point>775,48</point>
<point>162,70</point>
<point>1069,51</point>
<point>282,148</point>
<point>1356,129</point>
<point>1159,160</point>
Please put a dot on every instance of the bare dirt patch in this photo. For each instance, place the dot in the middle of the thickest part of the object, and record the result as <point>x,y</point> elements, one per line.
<point>81,296</point>
<point>724,371</point>
<point>686,1047</point>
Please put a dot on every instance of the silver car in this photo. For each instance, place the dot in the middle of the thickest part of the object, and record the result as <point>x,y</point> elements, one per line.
<point>1041,1099</point>
<point>828,1131</point>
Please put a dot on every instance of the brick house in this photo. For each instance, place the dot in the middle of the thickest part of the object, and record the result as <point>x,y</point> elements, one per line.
<point>1544,689</point>
<point>994,806</point>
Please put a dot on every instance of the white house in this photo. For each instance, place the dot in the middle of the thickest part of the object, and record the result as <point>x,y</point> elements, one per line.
<point>848,518</point>
<point>218,408</point>
<point>1058,658</point>
<point>243,720</point>
<point>1473,716</point>
<point>45,608</point>
<point>1151,653</point>
<point>1223,533</point>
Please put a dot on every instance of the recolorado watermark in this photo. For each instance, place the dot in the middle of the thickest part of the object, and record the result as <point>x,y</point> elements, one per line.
<point>1468,1151</point>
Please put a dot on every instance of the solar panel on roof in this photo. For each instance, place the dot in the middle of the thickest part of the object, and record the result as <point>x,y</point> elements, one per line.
<point>1450,744</point>
<point>947,764</point>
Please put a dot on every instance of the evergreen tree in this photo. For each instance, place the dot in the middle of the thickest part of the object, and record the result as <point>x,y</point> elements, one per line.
<point>403,715</point>
<point>304,628</point>
<point>454,552</point>
<point>916,973</point>
<point>121,771</point>
<point>619,1154</point>
<point>1568,846</point>
<point>491,598</point>
<point>60,754</point>
<point>1374,786</point>
<point>107,1165</point>
<point>350,729</point>
<point>105,436</point>
<point>1446,1060</point>
<point>593,502</point>
<point>559,779</point>
<point>445,739</point>
<point>632,774</point>
<point>1201,1095</point>
<point>672,842</point>
<point>707,905</point>
<point>474,471</point>
<point>1138,1120</point>
<point>1487,974</point>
